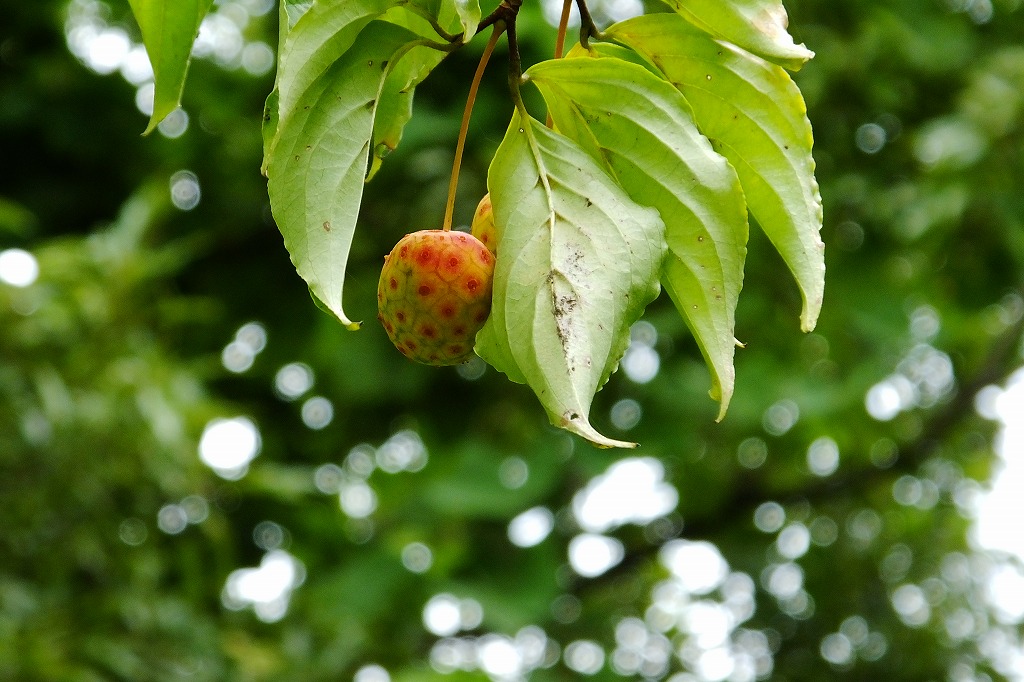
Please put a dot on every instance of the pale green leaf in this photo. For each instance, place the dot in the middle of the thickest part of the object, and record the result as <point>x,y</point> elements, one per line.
<point>469,14</point>
<point>578,262</point>
<point>754,115</point>
<point>394,109</point>
<point>291,12</point>
<point>319,158</point>
<point>169,27</point>
<point>643,129</point>
<point>758,26</point>
<point>318,34</point>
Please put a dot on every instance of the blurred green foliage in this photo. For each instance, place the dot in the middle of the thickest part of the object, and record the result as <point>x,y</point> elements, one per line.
<point>119,545</point>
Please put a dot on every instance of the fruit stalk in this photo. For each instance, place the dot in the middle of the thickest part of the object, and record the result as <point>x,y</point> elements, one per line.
<point>453,184</point>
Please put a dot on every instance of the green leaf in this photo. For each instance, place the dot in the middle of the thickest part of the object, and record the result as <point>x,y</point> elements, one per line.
<point>758,26</point>
<point>754,115</point>
<point>319,158</point>
<point>169,27</point>
<point>578,263</point>
<point>394,109</point>
<point>643,129</point>
<point>327,31</point>
<point>469,15</point>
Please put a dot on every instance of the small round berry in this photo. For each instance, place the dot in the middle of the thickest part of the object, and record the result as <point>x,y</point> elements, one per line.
<point>434,295</point>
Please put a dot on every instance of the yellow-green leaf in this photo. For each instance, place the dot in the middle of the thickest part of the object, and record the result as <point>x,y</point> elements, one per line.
<point>754,115</point>
<point>758,26</point>
<point>169,27</point>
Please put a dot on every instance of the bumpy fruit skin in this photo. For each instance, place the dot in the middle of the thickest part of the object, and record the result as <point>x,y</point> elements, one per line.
<point>434,295</point>
<point>483,225</point>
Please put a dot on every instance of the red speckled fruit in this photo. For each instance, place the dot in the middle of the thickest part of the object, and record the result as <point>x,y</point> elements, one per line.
<point>483,225</point>
<point>434,295</point>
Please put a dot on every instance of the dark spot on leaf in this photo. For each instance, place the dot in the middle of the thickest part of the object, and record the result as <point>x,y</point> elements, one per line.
<point>384,63</point>
<point>371,104</point>
<point>425,290</point>
<point>393,283</point>
<point>327,226</point>
<point>589,203</point>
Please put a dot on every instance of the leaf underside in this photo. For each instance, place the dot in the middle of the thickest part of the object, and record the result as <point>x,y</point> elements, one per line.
<point>169,27</point>
<point>757,26</point>
<point>343,94</point>
<point>642,128</point>
<point>579,262</point>
<point>319,152</point>
<point>754,116</point>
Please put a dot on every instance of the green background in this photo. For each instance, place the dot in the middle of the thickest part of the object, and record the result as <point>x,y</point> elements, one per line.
<point>111,368</point>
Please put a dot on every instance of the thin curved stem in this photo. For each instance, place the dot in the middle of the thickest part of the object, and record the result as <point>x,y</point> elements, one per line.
<point>515,67</point>
<point>588,28</point>
<point>432,20</point>
<point>453,184</point>
<point>563,25</point>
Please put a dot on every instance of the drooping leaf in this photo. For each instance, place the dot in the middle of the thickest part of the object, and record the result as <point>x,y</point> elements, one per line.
<point>454,16</point>
<point>394,110</point>
<point>319,158</point>
<point>291,11</point>
<point>468,12</point>
<point>169,27</point>
<point>578,262</point>
<point>306,50</point>
<point>758,26</point>
<point>643,129</point>
<point>754,115</point>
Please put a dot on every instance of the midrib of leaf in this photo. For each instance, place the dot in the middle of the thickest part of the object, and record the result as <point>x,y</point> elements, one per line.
<point>579,263</point>
<point>552,225</point>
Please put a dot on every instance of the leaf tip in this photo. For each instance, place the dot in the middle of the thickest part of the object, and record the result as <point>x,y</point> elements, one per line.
<point>575,423</point>
<point>809,315</point>
<point>151,126</point>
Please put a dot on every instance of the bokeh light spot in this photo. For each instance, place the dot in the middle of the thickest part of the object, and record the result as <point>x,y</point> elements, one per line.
<point>18,267</point>
<point>531,527</point>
